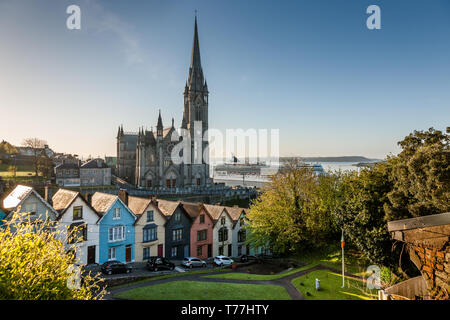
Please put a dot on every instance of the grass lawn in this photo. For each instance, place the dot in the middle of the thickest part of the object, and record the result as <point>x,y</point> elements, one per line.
<point>195,290</point>
<point>165,276</point>
<point>249,276</point>
<point>330,284</point>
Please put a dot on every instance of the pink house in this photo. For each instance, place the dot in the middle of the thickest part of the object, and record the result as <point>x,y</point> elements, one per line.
<point>201,232</point>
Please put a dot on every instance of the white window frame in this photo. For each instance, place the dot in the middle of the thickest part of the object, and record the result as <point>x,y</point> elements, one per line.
<point>116,214</point>
<point>112,256</point>
<point>116,234</point>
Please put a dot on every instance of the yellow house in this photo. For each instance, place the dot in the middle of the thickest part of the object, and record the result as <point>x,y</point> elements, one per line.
<point>149,228</point>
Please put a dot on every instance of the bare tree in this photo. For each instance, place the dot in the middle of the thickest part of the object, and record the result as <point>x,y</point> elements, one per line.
<point>37,146</point>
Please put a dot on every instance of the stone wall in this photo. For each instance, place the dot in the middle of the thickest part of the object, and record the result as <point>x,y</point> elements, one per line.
<point>433,263</point>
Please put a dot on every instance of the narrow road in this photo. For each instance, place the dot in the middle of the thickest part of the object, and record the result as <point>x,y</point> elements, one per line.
<point>285,282</point>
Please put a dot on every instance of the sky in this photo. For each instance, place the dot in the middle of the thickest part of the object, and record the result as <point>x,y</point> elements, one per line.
<point>311,69</point>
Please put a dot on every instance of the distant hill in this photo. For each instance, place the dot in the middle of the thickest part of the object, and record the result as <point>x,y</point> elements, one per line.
<point>332,159</point>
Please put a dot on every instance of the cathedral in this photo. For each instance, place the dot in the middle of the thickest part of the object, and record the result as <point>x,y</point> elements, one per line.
<point>144,157</point>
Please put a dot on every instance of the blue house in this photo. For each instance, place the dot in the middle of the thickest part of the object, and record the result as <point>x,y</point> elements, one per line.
<point>116,228</point>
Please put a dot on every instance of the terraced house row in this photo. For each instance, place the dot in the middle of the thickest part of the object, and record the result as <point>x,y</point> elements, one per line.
<point>131,229</point>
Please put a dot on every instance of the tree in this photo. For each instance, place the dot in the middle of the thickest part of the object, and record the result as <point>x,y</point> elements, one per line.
<point>293,212</point>
<point>7,148</point>
<point>34,264</point>
<point>361,215</point>
<point>420,176</point>
<point>12,170</point>
<point>37,146</point>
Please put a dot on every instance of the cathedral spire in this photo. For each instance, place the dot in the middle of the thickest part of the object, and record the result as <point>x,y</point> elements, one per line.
<point>159,126</point>
<point>195,79</point>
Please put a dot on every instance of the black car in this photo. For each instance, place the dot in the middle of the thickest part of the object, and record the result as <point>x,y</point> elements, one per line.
<point>115,266</point>
<point>246,258</point>
<point>159,263</point>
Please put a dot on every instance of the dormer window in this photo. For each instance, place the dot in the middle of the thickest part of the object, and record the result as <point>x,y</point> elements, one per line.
<point>177,216</point>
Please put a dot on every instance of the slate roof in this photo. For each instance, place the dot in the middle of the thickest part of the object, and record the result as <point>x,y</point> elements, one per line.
<point>63,198</point>
<point>93,164</point>
<point>193,209</point>
<point>137,204</point>
<point>167,207</point>
<point>67,166</point>
<point>19,194</point>
<point>16,196</point>
<point>101,202</point>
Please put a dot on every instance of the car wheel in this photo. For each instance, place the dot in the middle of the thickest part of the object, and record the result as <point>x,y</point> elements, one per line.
<point>190,267</point>
<point>204,265</point>
<point>171,268</point>
<point>109,272</point>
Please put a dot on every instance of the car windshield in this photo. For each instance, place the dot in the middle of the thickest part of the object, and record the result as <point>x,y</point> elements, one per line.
<point>185,259</point>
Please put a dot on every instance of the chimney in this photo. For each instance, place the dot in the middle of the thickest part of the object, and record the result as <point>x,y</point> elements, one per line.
<point>123,195</point>
<point>47,196</point>
<point>88,198</point>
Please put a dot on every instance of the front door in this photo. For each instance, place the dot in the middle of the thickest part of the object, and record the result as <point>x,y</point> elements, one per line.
<point>186,251</point>
<point>229,250</point>
<point>91,254</point>
<point>160,250</point>
<point>128,253</point>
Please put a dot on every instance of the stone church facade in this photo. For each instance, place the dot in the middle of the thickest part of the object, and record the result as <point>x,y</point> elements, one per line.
<point>144,158</point>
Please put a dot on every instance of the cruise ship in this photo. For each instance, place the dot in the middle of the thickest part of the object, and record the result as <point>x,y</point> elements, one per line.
<point>254,174</point>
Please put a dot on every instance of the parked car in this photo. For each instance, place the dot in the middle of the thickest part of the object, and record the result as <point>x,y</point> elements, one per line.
<point>159,263</point>
<point>223,261</point>
<point>190,262</point>
<point>115,266</point>
<point>246,258</point>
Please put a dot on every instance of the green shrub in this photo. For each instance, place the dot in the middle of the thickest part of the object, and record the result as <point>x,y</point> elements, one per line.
<point>36,265</point>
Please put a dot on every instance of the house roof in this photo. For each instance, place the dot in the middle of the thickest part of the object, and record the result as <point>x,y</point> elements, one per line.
<point>138,204</point>
<point>235,212</point>
<point>167,207</point>
<point>101,202</point>
<point>63,198</point>
<point>19,194</point>
<point>214,210</point>
<point>16,196</point>
<point>67,166</point>
<point>94,164</point>
<point>193,209</point>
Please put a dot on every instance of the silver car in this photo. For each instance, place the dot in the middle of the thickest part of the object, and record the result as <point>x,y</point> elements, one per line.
<point>223,261</point>
<point>190,262</point>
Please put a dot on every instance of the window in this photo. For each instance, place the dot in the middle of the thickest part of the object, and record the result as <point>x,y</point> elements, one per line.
<point>241,221</point>
<point>174,251</point>
<point>241,236</point>
<point>146,253</point>
<point>150,216</point>
<point>168,183</point>
<point>77,213</point>
<point>149,183</point>
<point>199,251</point>
<point>222,220</point>
<point>116,214</point>
<point>77,234</point>
<point>116,234</point>
<point>31,208</point>
<point>198,181</point>
<point>201,235</point>
<point>239,250</point>
<point>202,218</point>
<point>177,216</point>
<point>223,234</point>
<point>177,234</point>
<point>174,183</point>
<point>112,253</point>
<point>149,234</point>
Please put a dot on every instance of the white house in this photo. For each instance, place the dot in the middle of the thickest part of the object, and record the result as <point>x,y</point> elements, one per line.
<point>75,211</point>
<point>239,232</point>
<point>222,230</point>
